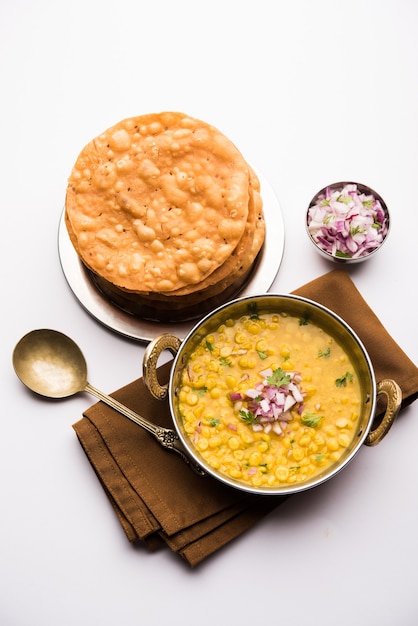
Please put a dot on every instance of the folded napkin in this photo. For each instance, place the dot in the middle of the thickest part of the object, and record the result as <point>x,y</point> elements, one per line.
<point>157,497</point>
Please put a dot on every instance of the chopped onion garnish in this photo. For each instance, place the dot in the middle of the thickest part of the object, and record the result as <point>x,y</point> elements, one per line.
<point>268,405</point>
<point>347,223</point>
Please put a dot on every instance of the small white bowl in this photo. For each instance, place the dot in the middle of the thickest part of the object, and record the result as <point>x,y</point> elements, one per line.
<point>352,234</point>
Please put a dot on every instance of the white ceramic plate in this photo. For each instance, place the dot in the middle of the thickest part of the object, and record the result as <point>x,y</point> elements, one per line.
<point>133,327</point>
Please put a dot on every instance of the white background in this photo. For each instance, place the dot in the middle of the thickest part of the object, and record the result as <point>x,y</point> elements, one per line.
<point>312,92</point>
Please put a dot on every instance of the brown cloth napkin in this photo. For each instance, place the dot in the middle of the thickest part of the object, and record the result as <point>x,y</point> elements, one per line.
<point>157,497</point>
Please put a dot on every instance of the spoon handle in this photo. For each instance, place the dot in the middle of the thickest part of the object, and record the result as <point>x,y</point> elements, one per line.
<point>166,437</point>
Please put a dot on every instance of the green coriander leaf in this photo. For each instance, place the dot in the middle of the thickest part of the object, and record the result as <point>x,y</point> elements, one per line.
<point>357,230</point>
<point>248,417</point>
<point>311,419</point>
<point>325,354</point>
<point>214,421</point>
<point>224,361</point>
<point>209,346</point>
<point>278,378</point>
<point>262,355</point>
<point>342,382</point>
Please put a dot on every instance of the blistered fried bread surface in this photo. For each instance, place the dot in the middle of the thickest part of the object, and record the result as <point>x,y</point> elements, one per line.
<point>241,258</point>
<point>158,203</point>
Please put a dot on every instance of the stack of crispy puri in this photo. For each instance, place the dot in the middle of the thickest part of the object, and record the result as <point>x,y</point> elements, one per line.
<point>166,215</point>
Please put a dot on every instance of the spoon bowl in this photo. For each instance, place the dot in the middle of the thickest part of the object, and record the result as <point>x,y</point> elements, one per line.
<point>52,365</point>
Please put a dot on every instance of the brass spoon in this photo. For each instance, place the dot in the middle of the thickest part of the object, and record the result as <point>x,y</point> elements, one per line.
<point>52,365</point>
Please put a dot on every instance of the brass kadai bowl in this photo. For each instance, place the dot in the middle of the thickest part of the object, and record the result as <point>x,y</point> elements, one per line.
<point>366,431</point>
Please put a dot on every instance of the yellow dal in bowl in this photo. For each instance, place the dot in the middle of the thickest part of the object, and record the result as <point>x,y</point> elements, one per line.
<point>233,360</point>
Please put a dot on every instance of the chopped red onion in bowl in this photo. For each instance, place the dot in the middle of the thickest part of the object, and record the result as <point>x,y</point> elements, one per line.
<point>347,221</point>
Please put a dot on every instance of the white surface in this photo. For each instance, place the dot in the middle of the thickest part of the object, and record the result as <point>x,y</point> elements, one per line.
<point>312,93</point>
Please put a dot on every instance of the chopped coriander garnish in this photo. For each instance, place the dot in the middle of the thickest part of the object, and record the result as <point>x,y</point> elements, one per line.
<point>311,419</point>
<point>342,382</point>
<point>279,378</point>
<point>262,355</point>
<point>344,199</point>
<point>214,421</point>
<point>325,354</point>
<point>224,361</point>
<point>356,230</point>
<point>248,417</point>
<point>210,346</point>
<point>200,391</point>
